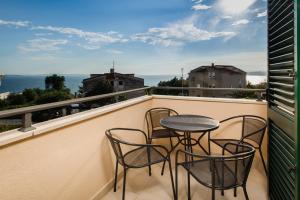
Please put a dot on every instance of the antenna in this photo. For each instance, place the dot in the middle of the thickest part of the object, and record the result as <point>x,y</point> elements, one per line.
<point>112,70</point>
<point>182,81</point>
<point>1,78</point>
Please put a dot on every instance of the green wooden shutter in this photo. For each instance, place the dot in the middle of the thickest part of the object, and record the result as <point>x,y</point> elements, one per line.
<point>281,99</point>
<point>281,55</point>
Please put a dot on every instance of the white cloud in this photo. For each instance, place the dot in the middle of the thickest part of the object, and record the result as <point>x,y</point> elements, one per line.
<point>262,14</point>
<point>114,51</point>
<point>15,23</point>
<point>43,57</point>
<point>200,7</point>
<point>42,44</point>
<point>42,34</point>
<point>89,46</point>
<point>178,34</point>
<point>95,39</point>
<point>197,1</point>
<point>227,17</point>
<point>241,22</point>
<point>233,7</point>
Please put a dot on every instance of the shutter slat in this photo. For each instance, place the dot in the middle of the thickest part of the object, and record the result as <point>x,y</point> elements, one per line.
<point>282,43</point>
<point>281,36</point>
<point>291,94</point>
<point>282,58</point>
<point>281,16</point>
<point>281,55</point>
<point>279,8</point>
<point>282,78</point>
<point>281,98</point>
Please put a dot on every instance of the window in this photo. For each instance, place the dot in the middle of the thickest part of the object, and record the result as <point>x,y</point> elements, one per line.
<point>213,74</point>
<point>193,80</point>
<point>120,82</point>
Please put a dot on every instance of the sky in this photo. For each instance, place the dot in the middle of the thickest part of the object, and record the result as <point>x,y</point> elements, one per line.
<point>147,37</point>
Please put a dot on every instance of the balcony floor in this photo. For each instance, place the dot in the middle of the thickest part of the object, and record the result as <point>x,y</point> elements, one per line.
<point>142,187</point>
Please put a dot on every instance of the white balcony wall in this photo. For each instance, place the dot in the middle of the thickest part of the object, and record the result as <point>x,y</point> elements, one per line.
<point>71,162</point>
<point>70,158</point>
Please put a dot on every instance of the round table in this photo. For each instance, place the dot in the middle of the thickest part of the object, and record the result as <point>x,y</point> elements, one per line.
<point>190,124</point>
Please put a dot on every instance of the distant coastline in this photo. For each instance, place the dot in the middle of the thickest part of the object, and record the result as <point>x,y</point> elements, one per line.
<point>257,73</point>
<point>17,83</point>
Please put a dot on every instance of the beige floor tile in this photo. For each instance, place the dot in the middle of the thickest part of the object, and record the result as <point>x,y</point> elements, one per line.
<point>142,187</point>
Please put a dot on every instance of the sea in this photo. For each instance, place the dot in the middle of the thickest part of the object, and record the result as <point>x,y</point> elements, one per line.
<point>17,83</point>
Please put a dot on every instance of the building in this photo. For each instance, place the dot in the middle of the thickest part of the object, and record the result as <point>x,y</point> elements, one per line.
<point>216,76</point>
<point>118,81</point>
<point>4,95</point>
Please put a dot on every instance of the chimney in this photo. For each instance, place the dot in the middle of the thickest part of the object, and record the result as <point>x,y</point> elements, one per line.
<point>112,70</point>
<point>212,64</point>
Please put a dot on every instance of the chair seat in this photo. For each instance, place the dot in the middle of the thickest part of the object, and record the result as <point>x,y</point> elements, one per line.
<point>138,157</point>
<point>230,148</point>
<point>164,133</point>
<point>201,171</point>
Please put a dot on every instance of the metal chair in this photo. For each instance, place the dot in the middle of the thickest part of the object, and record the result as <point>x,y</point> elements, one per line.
<point>155,130</point>
<point>139,155</point>
<point>253,131</point>
<point>218,172</point>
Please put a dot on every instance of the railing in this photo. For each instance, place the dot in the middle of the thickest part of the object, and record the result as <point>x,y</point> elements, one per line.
<point>259,93</point>
<point>26,112</point>
<point>211,89</point>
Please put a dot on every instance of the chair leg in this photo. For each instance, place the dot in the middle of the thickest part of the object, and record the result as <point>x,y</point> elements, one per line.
<point>124,184</point>
<point>208,138</point>
<point>189,185</point>
<point>163,168</point>
<point>171,143</point>
<point>213,195</point>
<point>149,167</point>
<point>245,192</point>
<point>171,176</point>
<point>176,181</point>
<point>222,192</point>
<point>116,177</point>
<point>263,161</point>
<point>234,192</point>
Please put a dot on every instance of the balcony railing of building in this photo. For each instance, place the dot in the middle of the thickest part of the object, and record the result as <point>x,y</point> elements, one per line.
<point>26,112</point>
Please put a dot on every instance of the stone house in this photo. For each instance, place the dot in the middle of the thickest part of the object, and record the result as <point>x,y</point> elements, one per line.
<point>216,76</point>
<point>118,81</point>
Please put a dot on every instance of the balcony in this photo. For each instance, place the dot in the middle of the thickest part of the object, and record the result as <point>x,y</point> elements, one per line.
<point>70,157</point>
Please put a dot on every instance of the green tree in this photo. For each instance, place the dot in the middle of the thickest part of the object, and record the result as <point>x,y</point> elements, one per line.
<point>16,99</point>
<point>53,96</point>
<point>3,104</point>
<point>55,82</point>
<point>175,82</point>
<point>57,92</point>
<point>250,94</point>
<point>30,95</point>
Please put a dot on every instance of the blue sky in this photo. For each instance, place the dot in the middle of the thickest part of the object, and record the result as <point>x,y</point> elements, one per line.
<point>141,36</point>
